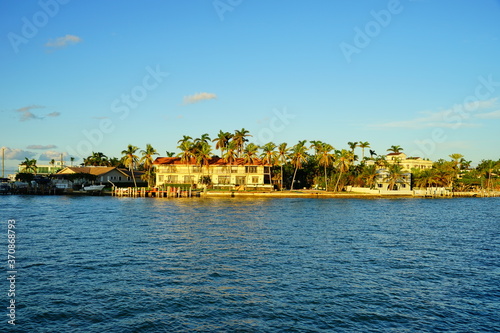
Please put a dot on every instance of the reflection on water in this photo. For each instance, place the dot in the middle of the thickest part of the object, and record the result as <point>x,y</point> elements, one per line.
<point>98,264</point>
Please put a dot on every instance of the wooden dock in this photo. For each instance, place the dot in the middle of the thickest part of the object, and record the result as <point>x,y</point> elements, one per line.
<point>170,192</point>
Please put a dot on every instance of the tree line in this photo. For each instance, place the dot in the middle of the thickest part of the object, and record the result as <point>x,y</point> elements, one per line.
<point>305,164</point>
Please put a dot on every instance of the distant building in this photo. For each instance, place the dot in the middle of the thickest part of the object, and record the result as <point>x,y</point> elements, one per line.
<point>218,173</point>
<point>44,169</point>
<point>110,175</point>
<point>407,163</point>
<point>383,181</point>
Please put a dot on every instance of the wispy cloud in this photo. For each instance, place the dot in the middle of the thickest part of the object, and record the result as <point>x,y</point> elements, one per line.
<point>489,115</point>
<point>26,113</point>
<point>17,154</point>
<point>198,97</point>
<point>41,147</point>
<point>61,42</point>
<point>457,116</point>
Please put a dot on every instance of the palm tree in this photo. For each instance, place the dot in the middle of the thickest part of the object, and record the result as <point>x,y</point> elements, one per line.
<point>185,138</point>
<point>325,159</point>
<point>29,165</point>
<point>186,147</point>
<point>395,174</point>
<point>250,153</point>
<point>363,145</point>
<point>353,146</point>
<point>239,139</point>
<point>147,162</point>
<point>203,154</point>
<point>269,156</point>
<point>222,140</point>
<point>456,160</point>
<point>395,149</point>
<point>298,157</point>
<point>283,151</point>
<point>72,159</point>
<point>170,153</point>
<point>369,174</point>
<point>343,160</point>
<point>205,138</point>
<point>230,156</point>
<point>130,159</point>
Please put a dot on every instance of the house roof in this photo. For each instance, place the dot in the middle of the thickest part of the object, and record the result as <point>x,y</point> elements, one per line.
<point>394,154</point>
<point>212,161</point>
<point>98,171</point>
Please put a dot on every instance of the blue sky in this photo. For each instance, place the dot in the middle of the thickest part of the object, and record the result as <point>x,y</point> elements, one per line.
<point>83,76</point>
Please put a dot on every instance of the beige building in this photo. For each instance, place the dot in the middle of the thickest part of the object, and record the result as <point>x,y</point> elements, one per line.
<point>406,162</point>
<point>218,173</point>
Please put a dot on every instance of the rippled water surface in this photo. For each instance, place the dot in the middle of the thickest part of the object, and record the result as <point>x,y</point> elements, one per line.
<point>102,264</point>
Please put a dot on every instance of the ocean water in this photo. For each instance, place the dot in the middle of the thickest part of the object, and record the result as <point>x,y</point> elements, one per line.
<point>103,264</point>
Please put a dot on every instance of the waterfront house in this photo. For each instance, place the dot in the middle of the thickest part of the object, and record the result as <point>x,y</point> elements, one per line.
<point>217,173</point>
<point>44,169</point>
<point>408,163</point>
<point>106,175</point>
<point>384,181</point>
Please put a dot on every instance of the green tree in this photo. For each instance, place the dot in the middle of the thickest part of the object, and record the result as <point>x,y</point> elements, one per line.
<point>222,140</point>
<point>147,162</point>
<point>363,146</point>
<point>129,160</point>
<point>298,157</point>
<point>239,138</point>
<point>186,154</point>
<point>325,159</point>
<point>269,156</point>
<point>29,165</point>
<point>283,152</point>
<point>395,174</point>
<point>343,161</point>
<point>395,149</point>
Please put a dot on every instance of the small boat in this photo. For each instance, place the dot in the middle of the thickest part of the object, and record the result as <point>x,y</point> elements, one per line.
<point>92,188</point>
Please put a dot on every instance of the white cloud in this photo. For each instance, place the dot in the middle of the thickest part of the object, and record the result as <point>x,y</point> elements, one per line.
<point>54,114</point>
<point>17,154</point>
<point>458,116</point>
<point>61,42</point>
<point>489,115</point>
<point>41,147</point>
<point>49,155</point>
<point>198,97</point>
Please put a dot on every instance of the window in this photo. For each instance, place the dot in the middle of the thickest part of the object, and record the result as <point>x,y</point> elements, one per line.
<point>188,179</point>
<point>196,168</point>
<point>240,180</point>
<point>234,169</point>
<point>251,169</point>
<point>224,180</point>
<point>160,179</point>
<point>255,179</point>
<point>172,179</point>
<point>170,169</point>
